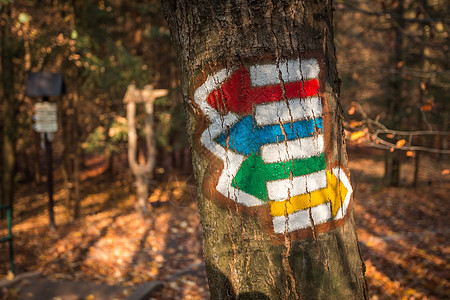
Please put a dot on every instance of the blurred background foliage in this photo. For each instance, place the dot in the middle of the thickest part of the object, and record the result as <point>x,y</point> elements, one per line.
<point>100,47</point>
<point>393,59</point>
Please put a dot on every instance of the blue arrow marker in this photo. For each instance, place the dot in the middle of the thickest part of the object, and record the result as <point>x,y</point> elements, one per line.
<point>246,137</point>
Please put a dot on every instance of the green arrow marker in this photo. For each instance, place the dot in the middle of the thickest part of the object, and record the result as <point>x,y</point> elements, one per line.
<point>254,173</point>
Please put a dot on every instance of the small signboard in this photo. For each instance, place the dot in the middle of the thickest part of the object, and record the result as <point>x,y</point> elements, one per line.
<point>45,84</point>
<point>45,117</point>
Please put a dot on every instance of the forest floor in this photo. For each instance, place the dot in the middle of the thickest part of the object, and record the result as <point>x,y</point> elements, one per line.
<point>403,234</point>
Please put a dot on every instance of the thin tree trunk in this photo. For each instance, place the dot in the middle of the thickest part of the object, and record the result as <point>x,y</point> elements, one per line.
<point>392,162</point>
<point>8,103</point>
<point>76,180</point>
<point>416,169</point>
<point>77,157</point>
<point>187,164</point>
<point>49,159</point>
<point>36,151</point>
<point>254,74</point>
<point>66,167</point>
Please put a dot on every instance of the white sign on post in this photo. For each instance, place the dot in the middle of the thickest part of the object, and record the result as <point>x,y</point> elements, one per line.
<point>45,117</point>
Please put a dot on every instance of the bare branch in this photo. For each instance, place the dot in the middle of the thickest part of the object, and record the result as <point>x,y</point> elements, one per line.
<point>388,146</point>
<point>377,142</point>
<point>389,15</point>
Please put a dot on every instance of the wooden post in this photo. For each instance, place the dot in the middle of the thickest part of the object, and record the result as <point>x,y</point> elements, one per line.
<point>49,158</point>
<point>142,171</point>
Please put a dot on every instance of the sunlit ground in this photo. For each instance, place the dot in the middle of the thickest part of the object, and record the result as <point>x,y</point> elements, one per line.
<point>403,233</point>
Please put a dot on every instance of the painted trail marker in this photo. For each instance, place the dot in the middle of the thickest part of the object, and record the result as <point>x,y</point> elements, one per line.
<point>267,128</point>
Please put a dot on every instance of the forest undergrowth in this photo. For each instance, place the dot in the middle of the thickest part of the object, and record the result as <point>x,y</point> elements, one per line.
<point>403,232</point>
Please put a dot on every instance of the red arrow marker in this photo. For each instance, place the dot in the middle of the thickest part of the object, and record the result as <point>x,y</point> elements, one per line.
<point>237,95</point>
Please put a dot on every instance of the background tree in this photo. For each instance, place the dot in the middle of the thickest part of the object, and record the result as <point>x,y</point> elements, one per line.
<point>9,50</point>
<point>243,260</point>
<point>394,60</point>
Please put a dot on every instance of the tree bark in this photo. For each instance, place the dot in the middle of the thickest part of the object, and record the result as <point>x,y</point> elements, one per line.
<point>248,73</point>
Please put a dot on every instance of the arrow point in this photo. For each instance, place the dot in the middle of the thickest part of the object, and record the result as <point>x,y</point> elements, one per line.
<point>240,137</point>
<point>251,177</point>
<point>232,95</point>
<point>336,192</point>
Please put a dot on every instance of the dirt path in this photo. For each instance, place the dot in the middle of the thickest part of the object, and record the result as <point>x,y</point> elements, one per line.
<point>402,231</point>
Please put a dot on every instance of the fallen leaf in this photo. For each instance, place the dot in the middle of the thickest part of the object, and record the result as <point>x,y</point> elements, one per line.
<point>356,135</point>
<point>10,275</point>
<point>426,107</point>
<point>354,123</point>
<point>400,143</point>
<point>351,111</point>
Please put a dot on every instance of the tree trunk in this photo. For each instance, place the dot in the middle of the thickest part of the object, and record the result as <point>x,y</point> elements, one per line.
<point>9,111</point>
<point>261,90</point>
<point>392,159</point>
<point>36,151</point>
<point>77,157</point>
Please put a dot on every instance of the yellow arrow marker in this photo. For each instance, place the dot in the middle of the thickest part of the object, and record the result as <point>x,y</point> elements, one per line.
<point>335,193</point>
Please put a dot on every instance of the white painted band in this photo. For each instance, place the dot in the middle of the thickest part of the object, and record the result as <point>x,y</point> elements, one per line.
<point>232,163</point>
<point>219,123</point>
<point>301,219</point>
<point>300,148</point>
<point>290,71</point>
<point>280,190</point>
<point>293,110</point>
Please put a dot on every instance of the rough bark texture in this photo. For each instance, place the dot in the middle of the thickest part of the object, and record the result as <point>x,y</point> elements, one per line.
<point>245,258</point>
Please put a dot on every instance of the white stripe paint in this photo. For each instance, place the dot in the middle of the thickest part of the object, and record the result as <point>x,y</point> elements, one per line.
<point>211,83</point>
<point>219,123</point>
<point>300,148</point>
<point>231,160</point>
<point>232,163</point>
<point>340,174</point>
<point>214,131</point>
<point>291,70</point>
<point>280,190</point>
<point>293,110</point>
<point>310,68</point>
<point>301,219</point>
